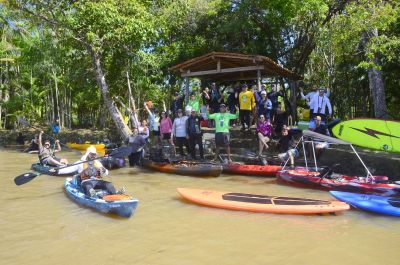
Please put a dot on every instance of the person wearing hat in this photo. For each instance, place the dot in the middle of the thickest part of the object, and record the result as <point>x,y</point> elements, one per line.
<point>320,102</point>
<point>91,173</point>
<point>194,134</point>
<point>179,132</point>
<point>264,104</point>
<point>47,154</point>
<point>222,130</point>
<point>246,104</point>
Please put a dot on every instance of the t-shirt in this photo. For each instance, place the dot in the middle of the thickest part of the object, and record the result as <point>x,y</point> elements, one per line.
<point>246,100</point>
<point>222,121</point>
<point>194,104</point>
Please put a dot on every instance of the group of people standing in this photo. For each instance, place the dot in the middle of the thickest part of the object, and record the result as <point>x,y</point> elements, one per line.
<point>181,125</point>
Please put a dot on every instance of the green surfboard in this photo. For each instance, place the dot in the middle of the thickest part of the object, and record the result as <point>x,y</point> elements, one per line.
<point>376,134</point>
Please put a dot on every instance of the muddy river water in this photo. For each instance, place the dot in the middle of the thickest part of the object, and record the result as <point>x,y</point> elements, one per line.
<point>39,224</point>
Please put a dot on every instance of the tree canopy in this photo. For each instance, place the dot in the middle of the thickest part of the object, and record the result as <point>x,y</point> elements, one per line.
<point>69,59</point>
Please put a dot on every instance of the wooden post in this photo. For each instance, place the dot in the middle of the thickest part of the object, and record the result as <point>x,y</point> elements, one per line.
<point>258,80</point>
<point>186,90</point>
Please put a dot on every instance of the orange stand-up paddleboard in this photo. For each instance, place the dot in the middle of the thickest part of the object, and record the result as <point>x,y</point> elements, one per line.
<point>261,203</point>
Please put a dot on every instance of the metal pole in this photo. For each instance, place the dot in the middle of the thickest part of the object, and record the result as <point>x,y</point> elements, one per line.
<point>362,162</point>
<point>304,151</point>
<point>315,159</point>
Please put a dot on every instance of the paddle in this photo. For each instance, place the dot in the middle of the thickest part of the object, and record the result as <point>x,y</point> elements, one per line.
<point>26,123</point>
<point>26,177</point>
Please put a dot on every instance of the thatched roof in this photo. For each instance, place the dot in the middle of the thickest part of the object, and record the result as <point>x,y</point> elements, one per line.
<point>224,66</point>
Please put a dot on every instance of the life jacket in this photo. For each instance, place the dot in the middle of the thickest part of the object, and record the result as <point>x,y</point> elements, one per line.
<point>45,153</point>
<point>91,170</point>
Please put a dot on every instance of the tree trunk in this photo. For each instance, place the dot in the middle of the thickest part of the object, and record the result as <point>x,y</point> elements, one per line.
<point>101,81</point>
<point>57,106</point>
<point>375,78</point>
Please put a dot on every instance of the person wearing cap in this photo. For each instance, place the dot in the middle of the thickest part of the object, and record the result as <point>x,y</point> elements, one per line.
<point>246,104</point>
<point>320,102</point>
<point>47,154</point>
<point>264,104</point>
<point>91,173</point>
<point>177,103</point>
<point>179,132</point>
<point>222,130</point>
<point>194,134</point>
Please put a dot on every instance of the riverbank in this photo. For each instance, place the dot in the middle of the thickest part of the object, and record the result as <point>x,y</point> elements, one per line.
<point>9,137</point>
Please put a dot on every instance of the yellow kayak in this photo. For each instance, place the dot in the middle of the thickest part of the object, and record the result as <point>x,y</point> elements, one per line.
<point>83,147</point>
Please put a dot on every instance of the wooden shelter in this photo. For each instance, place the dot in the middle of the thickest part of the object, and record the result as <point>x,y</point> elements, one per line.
<point>227,67</point>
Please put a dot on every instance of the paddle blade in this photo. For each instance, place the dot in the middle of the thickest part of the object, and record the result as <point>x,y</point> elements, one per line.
<point>24,178</point>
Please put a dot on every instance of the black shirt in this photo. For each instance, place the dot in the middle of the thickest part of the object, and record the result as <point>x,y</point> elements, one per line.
<point>286,142</point>
<point>321,129</point>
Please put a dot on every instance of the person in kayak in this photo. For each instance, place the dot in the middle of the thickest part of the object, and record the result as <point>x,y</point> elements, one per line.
<point>33,145</point>
<point>91,174</point>
<point>222,130</point>
<point>47,154</point>
<point>287,147</point>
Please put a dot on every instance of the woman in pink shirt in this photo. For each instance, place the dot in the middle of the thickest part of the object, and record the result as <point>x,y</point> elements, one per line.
<point>264,132</point>
<point>166,127</point>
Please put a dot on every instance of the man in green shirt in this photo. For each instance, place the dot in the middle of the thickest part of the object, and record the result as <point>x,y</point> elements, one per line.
<point>222,129</point>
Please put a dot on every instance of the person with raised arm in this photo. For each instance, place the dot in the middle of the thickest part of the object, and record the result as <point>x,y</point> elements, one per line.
<point>47,154</point>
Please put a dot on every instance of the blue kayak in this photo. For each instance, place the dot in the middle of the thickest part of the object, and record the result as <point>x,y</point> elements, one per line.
<point>372,203</point>
<point>124,206</point>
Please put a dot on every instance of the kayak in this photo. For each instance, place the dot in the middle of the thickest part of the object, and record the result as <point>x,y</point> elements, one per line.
<point>113,162</point>
<point>83,147</point>
<point>251,170</point>
<point>187,169</point>
<point>372,203</point>
<point>45,169</point>
<point>120,204</point>
<point>260,203</point>
<point>313,179</point>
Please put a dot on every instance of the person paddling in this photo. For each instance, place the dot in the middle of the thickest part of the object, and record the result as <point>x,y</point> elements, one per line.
<point>46,154</point>
<point>92,173</point>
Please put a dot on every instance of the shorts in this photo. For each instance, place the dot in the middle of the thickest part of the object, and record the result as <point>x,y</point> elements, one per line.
<point>285,156</point>
<point>166,136</point>
<point>222,139</point>
<point>156,133</point>
<point>45,160</point>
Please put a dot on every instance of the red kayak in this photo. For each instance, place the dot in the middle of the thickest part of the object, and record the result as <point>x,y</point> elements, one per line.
<point>313,179</point>
<point>251,170</point>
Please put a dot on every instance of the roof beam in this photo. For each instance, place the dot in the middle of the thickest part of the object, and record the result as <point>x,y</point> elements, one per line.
<point>226,70</point>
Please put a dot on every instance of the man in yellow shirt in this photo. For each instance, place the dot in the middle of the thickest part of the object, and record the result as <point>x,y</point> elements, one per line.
<point>246,103</point>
